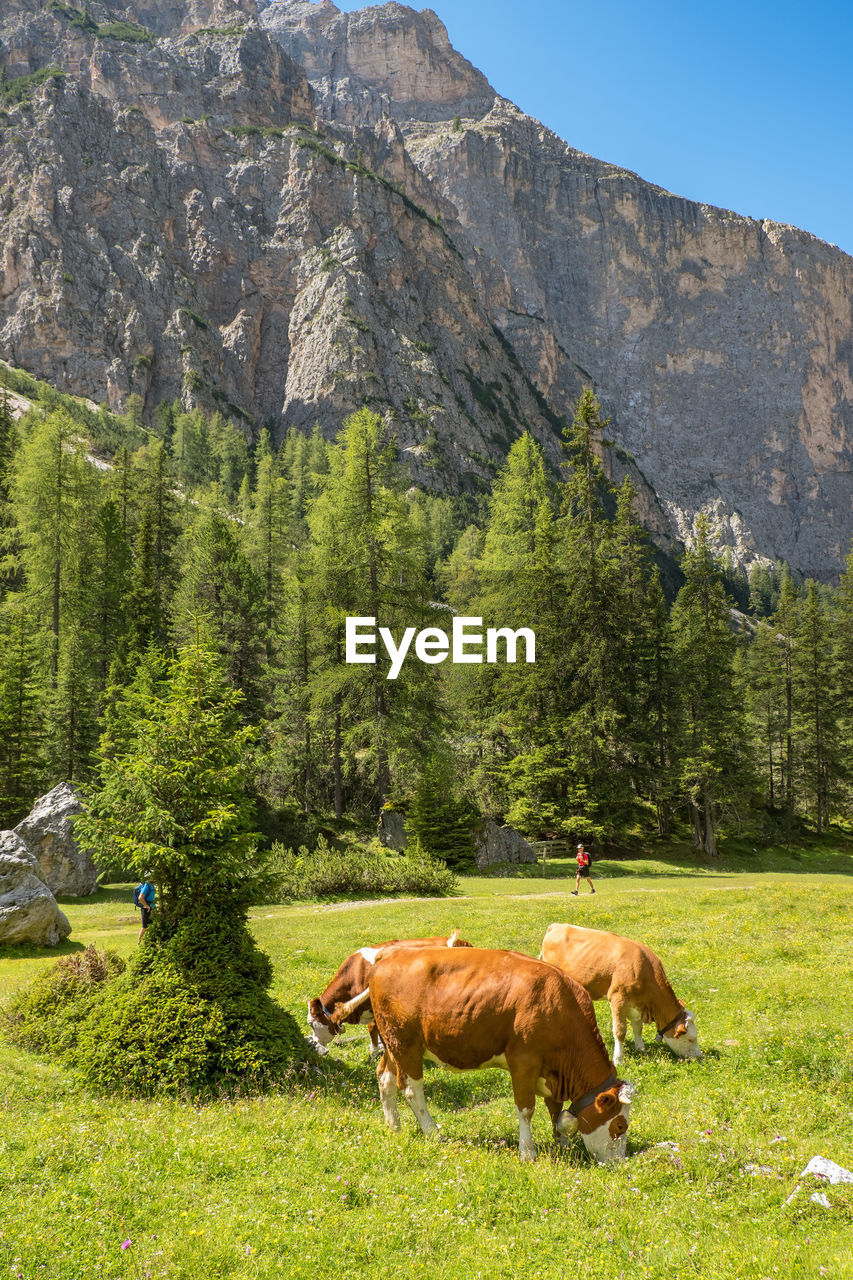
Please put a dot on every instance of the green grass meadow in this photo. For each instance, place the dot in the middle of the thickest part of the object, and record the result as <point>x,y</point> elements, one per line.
<point>310,1183</point>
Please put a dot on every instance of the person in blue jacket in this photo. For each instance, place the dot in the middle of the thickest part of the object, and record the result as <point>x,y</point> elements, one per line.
<point>144,896</point>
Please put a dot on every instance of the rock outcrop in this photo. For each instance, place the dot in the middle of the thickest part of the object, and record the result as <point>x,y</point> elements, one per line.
<point>392,829</point>
<point>28,909</point>
<point>494,844</point>
<point>48,833</point>
<point>378,62</point>
<point>285,212</point>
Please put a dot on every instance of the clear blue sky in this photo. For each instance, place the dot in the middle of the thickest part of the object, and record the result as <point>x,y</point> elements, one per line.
<point>744,105</point>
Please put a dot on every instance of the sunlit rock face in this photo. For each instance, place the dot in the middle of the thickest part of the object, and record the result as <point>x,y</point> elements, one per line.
<point>721,346</point>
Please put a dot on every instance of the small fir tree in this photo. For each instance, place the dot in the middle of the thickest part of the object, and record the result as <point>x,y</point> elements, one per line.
<point>171,799</point>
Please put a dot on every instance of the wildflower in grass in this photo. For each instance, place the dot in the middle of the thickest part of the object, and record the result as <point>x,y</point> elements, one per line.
<point>125,1244</point>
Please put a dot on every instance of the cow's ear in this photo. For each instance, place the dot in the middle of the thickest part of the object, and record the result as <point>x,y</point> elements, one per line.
<point>680,1030</point>
<point>607,1102</point>
<point>315,1009</point>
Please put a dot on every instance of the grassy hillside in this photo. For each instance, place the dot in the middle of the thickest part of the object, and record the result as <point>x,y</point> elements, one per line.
<point>308,1180</point>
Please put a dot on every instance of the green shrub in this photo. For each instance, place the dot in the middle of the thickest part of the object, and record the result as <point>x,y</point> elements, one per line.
<point>45,1017</point>
<point>198,321</point>
<point>18,88</point>
<point>366,870</point>
<point>130,32</point>
<point>152,1029</point>
<point>157,1033</point>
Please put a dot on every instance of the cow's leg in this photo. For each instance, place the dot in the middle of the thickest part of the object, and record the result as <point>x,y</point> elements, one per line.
<point>386,1074</point>
<point>526,1145</point>
<point>564,1129</point>
<point>524,1079</point>
<point>376,1045</point>
<point>413,1092</point>
<point>620,1028</point>
<point>637,1028</point>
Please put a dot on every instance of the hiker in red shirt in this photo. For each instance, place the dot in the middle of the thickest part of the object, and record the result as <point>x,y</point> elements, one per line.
<point>584,864</point>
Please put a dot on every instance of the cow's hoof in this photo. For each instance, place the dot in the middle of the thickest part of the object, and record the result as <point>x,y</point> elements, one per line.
<point>527,1154</point>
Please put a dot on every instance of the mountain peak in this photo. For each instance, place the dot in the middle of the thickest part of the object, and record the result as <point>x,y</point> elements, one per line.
<point>392,59</point>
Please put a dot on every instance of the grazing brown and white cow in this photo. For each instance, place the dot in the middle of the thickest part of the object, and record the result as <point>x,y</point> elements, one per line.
<point>351,978</point>
<point>631,977</point>
<point>475,1008</point>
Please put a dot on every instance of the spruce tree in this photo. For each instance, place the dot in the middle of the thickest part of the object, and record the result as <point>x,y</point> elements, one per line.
<point>218,582</point>
<point>267,538</point>
<point>8,446</point>
<point>661,683</point>
<point>52,489</point>
<point>785,624</point>
<point>762,670</point>
<point>713,767</point>
<point>22,710</point>
<point>590,656</point>
<point>843,628</point>
<point>816,706</point>
<point>519,708</point>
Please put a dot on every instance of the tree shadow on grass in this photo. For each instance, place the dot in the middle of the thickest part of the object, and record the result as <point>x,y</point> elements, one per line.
<point>104,895</point>
<point>31,952</point>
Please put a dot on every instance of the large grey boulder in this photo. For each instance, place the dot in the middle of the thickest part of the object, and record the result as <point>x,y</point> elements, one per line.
<point>28,910</point>
<point>392,829</point>
<point>48,833</point>
<point>501,844</point>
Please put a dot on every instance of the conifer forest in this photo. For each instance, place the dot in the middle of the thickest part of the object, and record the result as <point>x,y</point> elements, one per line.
<point>667,696</point>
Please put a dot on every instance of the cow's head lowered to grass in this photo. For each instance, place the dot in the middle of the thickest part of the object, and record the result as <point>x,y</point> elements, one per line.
<point>323,1030</point>
<point>681,1036</point>
<point>602,1122</point>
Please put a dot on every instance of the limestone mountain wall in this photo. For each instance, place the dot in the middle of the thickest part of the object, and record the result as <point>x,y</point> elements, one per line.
<point>286,212</point>
<point>721,346</point>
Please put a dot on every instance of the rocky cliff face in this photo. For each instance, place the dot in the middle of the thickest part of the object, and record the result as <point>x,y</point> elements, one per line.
<point>174,223</point>
<point>721,347</point>
<point>272,209</point>
<point>378,62</point>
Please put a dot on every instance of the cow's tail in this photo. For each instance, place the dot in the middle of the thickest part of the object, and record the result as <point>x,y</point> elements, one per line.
<point>343,1011</point>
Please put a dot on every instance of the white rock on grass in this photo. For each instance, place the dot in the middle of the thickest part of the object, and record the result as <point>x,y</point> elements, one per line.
<point>48,833</point>
<point>28,909</point>
<point>824,1170</point>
